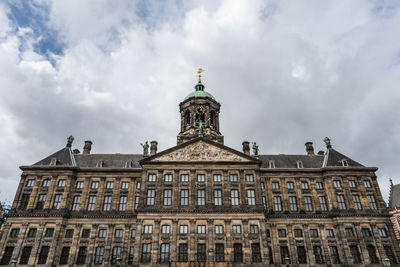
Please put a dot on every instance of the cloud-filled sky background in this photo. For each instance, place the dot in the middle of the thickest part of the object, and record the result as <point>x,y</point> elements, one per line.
<point>114,72</point>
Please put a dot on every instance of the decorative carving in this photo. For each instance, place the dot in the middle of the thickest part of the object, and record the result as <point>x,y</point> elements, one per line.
<point>200,151</point>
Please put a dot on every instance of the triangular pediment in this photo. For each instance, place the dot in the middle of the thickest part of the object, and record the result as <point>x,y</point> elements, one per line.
<point>201,150</point>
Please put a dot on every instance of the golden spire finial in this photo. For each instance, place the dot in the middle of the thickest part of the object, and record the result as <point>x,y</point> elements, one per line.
<point>199,72</point>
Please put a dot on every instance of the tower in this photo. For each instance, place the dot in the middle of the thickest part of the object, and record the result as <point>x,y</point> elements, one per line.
<point>199,115</point>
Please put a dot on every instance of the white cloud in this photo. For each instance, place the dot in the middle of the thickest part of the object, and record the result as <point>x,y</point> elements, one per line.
<point>284,72</point>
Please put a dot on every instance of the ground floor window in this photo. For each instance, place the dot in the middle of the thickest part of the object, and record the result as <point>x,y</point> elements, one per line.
<point>81,255</point>
<point>44,252</point>
<point>271,256</point>
<point>285,257</point>
<point>98,256</point>
<point>164,253</point>
<point>390,255</point>
<point>64,255</point>
<point>319,259</point>
<point>115,254</point>
<point>131,253</point>
<point>255,252</point>
<point>372,254</point>
<point>26,253</point>
<point>201,253</point>
<point>334,255</point>
<point>183,252</point>
<point>355,253</point>
<point>146,252</point>
<point>237,253</point>
<point>219,253</point>
<point>301,255</point>
<point>7,256</point>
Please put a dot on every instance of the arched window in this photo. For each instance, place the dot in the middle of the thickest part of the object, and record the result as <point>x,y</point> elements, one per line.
<point>187,119</point>
<point>212,118</point>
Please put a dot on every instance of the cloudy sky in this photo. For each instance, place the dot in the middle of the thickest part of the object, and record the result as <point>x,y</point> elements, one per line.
<point>114,72</point>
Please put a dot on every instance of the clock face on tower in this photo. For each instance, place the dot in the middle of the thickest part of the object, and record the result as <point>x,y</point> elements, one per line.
<point>200,110</point>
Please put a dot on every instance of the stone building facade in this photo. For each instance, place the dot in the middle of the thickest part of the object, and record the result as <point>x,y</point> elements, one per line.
<point>199,203</point>
<point>394,207</point>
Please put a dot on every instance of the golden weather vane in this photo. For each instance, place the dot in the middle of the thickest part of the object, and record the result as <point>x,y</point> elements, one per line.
<point>199,72</point>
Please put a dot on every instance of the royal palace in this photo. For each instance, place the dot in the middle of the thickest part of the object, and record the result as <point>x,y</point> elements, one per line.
<point>199,203</point>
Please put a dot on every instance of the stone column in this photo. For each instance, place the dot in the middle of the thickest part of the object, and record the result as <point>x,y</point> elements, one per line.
<point>192,240</point>
<point>155,248</point>
<point>228,241</point>
<point>211,243</point>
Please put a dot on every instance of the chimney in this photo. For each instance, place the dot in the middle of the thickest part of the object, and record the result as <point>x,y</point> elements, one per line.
<point>246,147</point>
<point>321,153</point>
<point>76,151</point>
<point>309,148</point>
<point>87,147</point>
<point>153,147</point>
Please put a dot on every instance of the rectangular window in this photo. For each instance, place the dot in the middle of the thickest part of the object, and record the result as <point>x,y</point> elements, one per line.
<point>152,178</point>
<point>367,184</point>
<point>41,201</point>
<point>235,197</point>
<point>201,253</point>
<point>366,232</point>
<point>148,229</point>
<point>201,229</point>
<point>285,257</point>
<point>301,255</point>
<point>32,232</point>
<point>102,233</point>
<point>320,186</point>
<point>237,252</point>
<point>330,233</point>
<point>123,200</point>
<point>218,197</point>
<point>281,232</point>
<point>390,255</point>
<point>255,252</point>
<point>277,203</point>
<point>109,185</point>
<point>253,229</point>
<point>185,178</point>
<point>118,233</point>
<point>165,229</point>
<point>98,257</point>
<point>168,177</point>
<point>24,201</point>
<point>183,252</point>
<point>146,252</point>
<point>94,185</point>
<point>372,254</point>
<point>275,185</point>
<point>322,202</point>
<point>201,197</point>
<point>308,203</point>
<point>337,184</point>
<point>138,185</point>
<point>57,201</point>
<point>290,185</point>
<point>64,255</point>
<point>164,252</point>
<point>341,202</point>
<point>30,183</point>
<point>264,201</point>
<point>151,194</point>
<point>26,253</point>
<point>131,255</point>
<point>76,202</point>
<point>219,253</point>
<point>334,254</point>
<point>5,260</point>
<point>184,197</point>
<point>85,233</point>
<point>271,164</point>
<point>133,233</point>
<point>319,259</point>
<point>167,197</point>
<point>49,232</point>
<point>44,253</point>
<point>69,233</point>
<point>107,203</point>
<point>352,184</point>
<point>293,203</point>
<point>233,177</point>
<point>382,232</point>
<point>46,183</point>
<point>304,185</point>
<point>219,229</point>
<point>355,254</point>
<point>125,185</point>
<point>217,178</point>
<point>349,232</point>
<point>14,232</point>
<point>271,256</point>
<point>201,178</point>
<point>137,202</point>
<point>183,229</point>
<point>91,203</point>
<point>357,202</point>
<point>372,202</point>
<point>79,185</point>
<point>249,178</point>
<point>236,229</point>
<point>61,183</point>
<point>251,197</point>
<point>298,233</point>
<point>262,185</point>
<point>116,251</point>
<point>314,232</point>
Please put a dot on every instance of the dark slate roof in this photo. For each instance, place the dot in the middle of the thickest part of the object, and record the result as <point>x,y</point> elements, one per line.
<point>109,160</point>
<point>394,196</point>
<point>334,159</point>
<point>290,161</point>
<point>64,158</point>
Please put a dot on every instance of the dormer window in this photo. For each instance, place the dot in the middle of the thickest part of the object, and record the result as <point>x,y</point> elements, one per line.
<point>345,163</point>
<point>53,162</point>
<point>300,164</point>
<point>99,164</point>
<point>128,164</point>
<point>272,164</point>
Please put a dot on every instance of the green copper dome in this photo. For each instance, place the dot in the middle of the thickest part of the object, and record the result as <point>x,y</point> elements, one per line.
<point>199,92</point>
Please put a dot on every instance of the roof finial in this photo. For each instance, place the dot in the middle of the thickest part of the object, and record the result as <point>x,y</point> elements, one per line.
<point>199,72</point>
<point>327,142</point>
<point>391,181</point>
<point>70,139</point>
